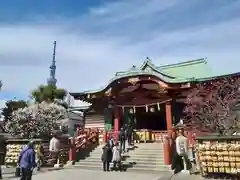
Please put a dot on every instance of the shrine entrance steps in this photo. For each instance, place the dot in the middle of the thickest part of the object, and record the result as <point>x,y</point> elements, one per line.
<point>145,157</point>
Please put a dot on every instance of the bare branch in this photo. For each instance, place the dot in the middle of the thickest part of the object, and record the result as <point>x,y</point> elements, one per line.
<point>210,104</point>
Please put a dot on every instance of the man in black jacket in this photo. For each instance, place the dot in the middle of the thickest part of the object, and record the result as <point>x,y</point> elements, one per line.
<point>122,139</point>
<point>106,157</point>
<point>129,136</point>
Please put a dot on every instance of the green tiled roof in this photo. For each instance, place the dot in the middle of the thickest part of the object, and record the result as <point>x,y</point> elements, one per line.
<point>194,70</point>
<point>173,73</point>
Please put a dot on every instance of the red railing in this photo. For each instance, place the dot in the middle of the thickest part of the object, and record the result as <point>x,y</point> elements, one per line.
<point>85,136</point>
<point>159,135</point>
<point>82,140</point>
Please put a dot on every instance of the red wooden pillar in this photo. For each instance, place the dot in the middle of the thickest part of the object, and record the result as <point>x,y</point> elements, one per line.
<point>168,107</point>
<point>105,136</point>
<point>169,122</point>
<point>116,121</point>
<point>167,150</point>
<point>72,151</point>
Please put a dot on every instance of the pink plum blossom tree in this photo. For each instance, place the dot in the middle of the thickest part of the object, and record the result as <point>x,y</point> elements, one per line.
<point>210,105</point>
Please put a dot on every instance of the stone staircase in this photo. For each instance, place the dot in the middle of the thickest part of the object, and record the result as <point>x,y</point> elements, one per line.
<point>145,157</point>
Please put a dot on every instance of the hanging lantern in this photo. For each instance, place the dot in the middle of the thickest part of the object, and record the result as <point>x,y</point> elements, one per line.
<point>131,111</point>
<point>152,109</point>
<point>146,108</point>
<point>158,106</point>
<point>134,109</point>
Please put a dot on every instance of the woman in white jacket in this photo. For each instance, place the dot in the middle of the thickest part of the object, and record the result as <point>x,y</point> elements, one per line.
<point>116,159</point>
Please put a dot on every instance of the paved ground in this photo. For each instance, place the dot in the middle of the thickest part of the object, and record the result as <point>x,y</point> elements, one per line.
<point>76,174</point>
<point>10,172</point>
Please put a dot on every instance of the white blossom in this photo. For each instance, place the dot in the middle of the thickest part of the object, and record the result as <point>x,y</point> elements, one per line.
<point>35,120</point>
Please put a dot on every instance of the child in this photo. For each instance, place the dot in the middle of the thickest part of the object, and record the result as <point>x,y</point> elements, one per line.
<point>116,156</point>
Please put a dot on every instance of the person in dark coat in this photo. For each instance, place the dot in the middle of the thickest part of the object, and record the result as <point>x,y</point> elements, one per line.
<point>3,144</point>
<point>177,164</point>
<point>27,161</point>
<point>106,157</point>
<point>180,153</point>
<point>122,139</point>
<point>129,136</point>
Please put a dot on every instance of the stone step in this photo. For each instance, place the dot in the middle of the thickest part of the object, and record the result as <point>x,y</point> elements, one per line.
<point>96,151</point>
<point>127,163</point>
<point>134,168</point>
<point>149,150</point>
<point>133,158</point>
<point>137,161</point>
<point>144,158</point>
<point>145,155</point>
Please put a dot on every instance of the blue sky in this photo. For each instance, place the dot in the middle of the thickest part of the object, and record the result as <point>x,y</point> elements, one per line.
<point>96,38</point>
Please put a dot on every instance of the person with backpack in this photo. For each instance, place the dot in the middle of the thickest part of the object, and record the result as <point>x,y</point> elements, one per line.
<point>122,139</point>
<point>27,161</point>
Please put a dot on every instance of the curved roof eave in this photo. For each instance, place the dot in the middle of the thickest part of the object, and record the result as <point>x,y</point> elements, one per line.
<point>158,75</point>
<point>218,77</point>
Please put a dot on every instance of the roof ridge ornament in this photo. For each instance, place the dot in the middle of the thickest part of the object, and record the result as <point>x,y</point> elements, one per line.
<point>148,59</point>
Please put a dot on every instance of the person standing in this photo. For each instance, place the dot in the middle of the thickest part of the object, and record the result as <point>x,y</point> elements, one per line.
<point>122,139</point>
<point>3,144</point>
<point>27,161</point>
<point>40,156</point>
<point>116,156</point>
<point>181,153</point>
<point>129,136</point>
<point>54,148</point>
<point>111,141</point>
<point>106,157</point>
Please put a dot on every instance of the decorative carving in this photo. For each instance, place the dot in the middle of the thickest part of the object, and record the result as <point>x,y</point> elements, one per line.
<point>162,91</point>
<point>187,85</point>
<point>133,81</point>
<point>108,92</point>
<point>162,84</point>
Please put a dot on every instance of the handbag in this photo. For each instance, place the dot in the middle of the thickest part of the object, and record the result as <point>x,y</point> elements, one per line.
<point>18,172</point>
<point>18,169</point>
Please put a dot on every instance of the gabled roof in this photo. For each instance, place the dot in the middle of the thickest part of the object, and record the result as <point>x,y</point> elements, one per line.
<point>173,73</point>
<point>188,71</point>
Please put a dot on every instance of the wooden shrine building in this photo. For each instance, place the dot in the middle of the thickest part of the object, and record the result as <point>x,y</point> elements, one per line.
<point>150,97</point>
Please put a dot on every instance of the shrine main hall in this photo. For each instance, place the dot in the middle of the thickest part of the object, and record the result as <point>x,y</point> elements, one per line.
<point>149,97</point>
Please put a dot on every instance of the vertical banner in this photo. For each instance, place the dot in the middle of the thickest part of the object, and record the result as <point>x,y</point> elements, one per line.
<point>108,118</point>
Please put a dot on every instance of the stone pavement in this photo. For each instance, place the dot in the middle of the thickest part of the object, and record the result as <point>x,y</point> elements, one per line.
<point>9,173</point>
<point>76,174</point>
<point>183,176</point>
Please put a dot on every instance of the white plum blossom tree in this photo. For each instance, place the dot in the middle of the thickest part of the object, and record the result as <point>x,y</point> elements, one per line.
<point>37,120</point>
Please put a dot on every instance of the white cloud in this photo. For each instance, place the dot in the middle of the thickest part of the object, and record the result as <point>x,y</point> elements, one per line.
<point>91,48</point>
